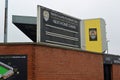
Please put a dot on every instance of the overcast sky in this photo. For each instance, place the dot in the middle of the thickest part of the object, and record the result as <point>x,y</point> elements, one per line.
<point>82,9</point>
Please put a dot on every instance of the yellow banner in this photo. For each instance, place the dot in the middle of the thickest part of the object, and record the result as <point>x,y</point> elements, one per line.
<point>93,37</point>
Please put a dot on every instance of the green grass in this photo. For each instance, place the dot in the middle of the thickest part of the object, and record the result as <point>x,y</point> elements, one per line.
<point>3,70</point>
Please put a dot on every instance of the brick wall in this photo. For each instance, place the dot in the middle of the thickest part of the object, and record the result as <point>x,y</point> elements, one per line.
<point>62,64</point>
<point>20,50</point>
<point>116,72</point>
<point>47,63</point>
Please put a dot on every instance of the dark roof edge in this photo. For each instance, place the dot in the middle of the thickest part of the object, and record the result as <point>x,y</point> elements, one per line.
<point>17,43</point>
<point>112,55</point>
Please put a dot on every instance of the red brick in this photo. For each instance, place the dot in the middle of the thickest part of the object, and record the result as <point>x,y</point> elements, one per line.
<point>49,63</point>
<point>20,50</point>
<point>63,64</point>
<point>116,72</point>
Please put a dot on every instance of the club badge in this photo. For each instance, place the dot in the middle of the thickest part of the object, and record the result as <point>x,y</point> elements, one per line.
<point>93,34</point>
<point>46,15</point>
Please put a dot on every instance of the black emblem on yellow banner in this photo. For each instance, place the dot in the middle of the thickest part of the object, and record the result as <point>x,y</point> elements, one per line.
<point>93,34</point>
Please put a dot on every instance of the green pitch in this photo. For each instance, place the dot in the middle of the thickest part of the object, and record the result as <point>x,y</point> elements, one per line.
<point>3,70</point>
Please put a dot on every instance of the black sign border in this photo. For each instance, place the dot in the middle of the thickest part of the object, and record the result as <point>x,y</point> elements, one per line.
<point>39,32</point>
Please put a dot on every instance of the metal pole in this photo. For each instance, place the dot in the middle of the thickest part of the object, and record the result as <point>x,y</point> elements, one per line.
<point>5,21</point>
<point>107,46</point>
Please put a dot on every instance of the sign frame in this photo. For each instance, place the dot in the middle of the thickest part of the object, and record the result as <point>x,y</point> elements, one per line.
<point>40,30</point>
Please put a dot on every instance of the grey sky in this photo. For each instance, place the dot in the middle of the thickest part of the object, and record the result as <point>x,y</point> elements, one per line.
<point>83,9</point>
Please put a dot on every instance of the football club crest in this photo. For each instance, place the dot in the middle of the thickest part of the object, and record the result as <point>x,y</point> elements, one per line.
<point>93,34</point>
<point>46,15</point>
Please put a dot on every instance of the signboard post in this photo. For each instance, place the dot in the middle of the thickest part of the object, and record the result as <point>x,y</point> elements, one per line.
<point>6,21</point>
<point>57,29</point>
